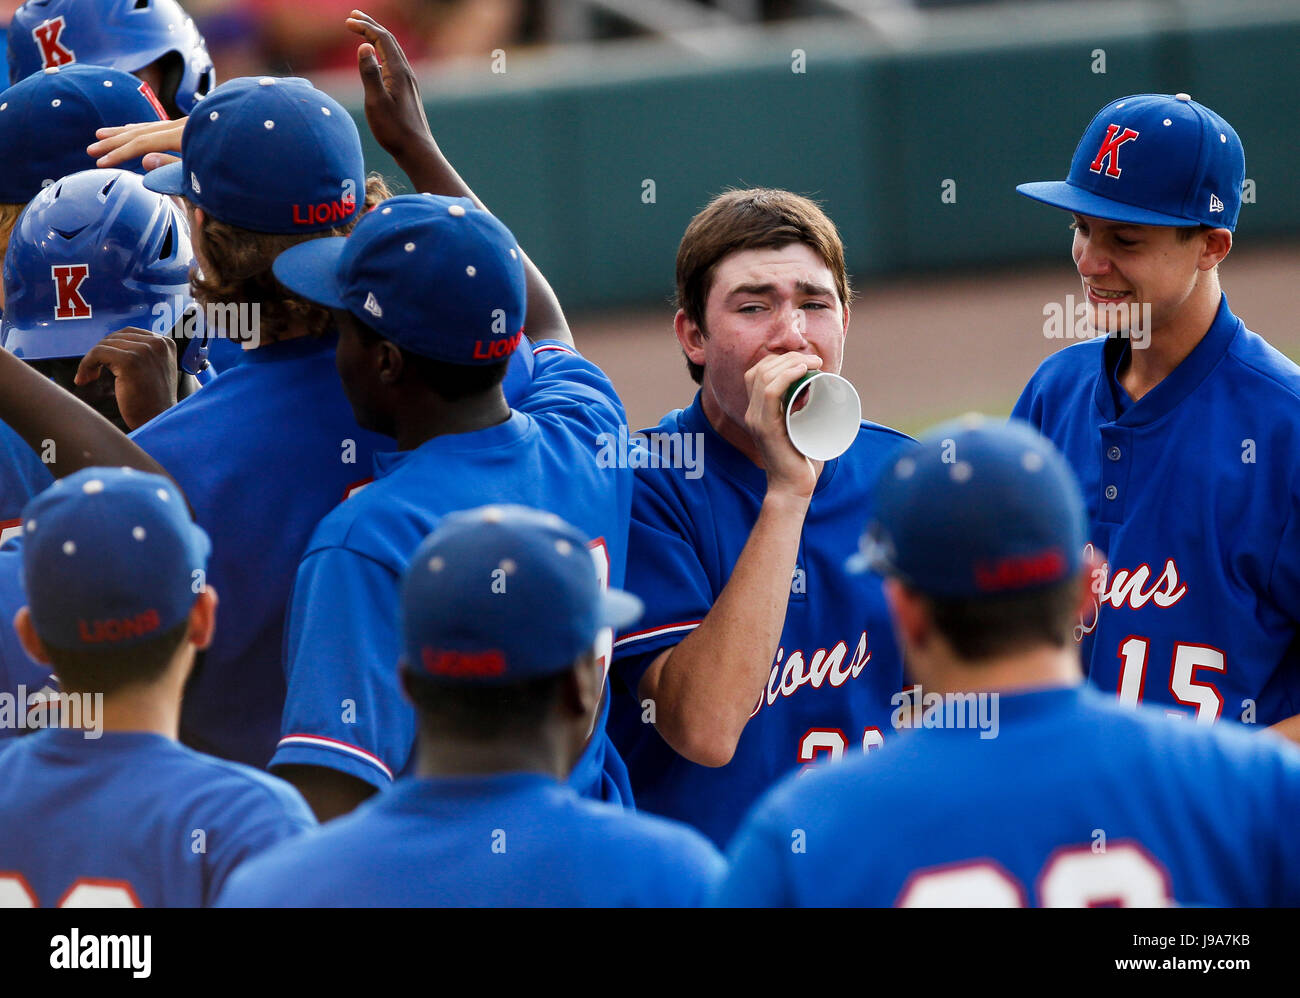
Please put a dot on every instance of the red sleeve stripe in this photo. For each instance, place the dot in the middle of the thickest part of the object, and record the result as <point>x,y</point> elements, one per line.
<point>655,632</point>
<point>553,346</point>
<point>320,741</point>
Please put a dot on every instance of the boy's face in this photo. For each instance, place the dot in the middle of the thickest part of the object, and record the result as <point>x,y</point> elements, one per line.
<point>354,358</point>
<point>1125,265</point>
<point>762,302</point>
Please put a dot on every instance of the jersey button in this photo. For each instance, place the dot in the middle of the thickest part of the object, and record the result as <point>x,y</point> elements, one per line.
<point>1114,453</point>
<point>1111,492</point>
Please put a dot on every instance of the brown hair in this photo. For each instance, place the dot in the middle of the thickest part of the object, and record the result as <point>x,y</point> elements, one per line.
<point>96,670</point>
<point>759,218</point>
<point>992,626</point>
<point>240,271</point>
<point>1186,232</point>
<point>9,214</point>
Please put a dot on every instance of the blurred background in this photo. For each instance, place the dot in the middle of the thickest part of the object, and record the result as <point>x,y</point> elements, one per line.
<point>596,128</point>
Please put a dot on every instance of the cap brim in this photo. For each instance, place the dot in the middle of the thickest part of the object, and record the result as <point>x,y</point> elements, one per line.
<point>169,179</point>
<point>857,564</point>
<point>311,270</point>
<point>870,557</point>
<point>621,608</point>
<point>1063,194</point>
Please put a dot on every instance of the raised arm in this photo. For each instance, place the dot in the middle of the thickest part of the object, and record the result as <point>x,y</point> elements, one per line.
<point>396,117</point>
<point>705,687</point>
<point>67,433</point>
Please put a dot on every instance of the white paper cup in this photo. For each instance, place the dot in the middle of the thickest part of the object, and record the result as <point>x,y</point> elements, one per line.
<point>828,423</point>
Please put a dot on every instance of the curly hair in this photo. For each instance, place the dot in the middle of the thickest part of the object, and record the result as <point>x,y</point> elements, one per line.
<point>239,271</point>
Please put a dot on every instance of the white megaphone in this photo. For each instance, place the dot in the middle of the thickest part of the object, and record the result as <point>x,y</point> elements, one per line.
<point>822,415</point>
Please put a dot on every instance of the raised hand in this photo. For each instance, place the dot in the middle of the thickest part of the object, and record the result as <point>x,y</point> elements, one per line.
<point>787,470</point>
<point>393,106</point>
<point>152,140</point>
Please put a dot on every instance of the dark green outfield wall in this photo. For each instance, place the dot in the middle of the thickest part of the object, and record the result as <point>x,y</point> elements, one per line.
<point>871,130</point>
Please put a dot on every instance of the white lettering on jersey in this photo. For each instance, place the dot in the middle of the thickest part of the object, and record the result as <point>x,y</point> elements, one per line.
<point>1129,588</point>
<point>785,681</point>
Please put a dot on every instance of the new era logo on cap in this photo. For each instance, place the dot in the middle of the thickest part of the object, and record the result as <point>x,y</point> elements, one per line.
<point>1215,203</point>
<point>372,306</point>
<point>194,183</point>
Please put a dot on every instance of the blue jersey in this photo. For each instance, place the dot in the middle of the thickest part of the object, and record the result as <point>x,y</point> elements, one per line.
<point>838,663</point>
<point>22,476</point>
<point>345,708</point>
<point>1076,802</point>
<point>1193,497</point>
<point>262,454</point>
<point>130,819</point>
<point>508,840</point>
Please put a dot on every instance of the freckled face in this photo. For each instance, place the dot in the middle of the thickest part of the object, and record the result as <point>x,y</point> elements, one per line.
<point>763,302</point>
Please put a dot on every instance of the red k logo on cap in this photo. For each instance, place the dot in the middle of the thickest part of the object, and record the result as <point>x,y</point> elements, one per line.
<point>68,303</point>
<point>1109,151</point>
<point>53,51</point>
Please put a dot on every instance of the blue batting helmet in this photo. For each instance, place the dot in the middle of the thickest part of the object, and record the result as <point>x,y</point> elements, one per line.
<point>123,34</point>
<point>93,253</point>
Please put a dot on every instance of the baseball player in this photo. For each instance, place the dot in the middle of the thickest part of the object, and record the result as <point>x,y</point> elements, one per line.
<point>507,682</point>
<point>1019,785</point>
<point>110,563</point>
<point>429,292</point>
<point>156,41</point>
<point>757,653</point>
<point>274,446</point>
<point>1182,425</point>
<point>62,106</point>
<point>70,436</point>
<point>95,265</point>
<point>270,446</point>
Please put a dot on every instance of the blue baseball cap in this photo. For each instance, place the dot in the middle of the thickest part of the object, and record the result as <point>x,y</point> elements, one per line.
<point>981,508</point>
<point>501,594</point>
<point>269,154</point>
<point>1153,159</point>
<point>111,558</point>
<point>63,107</point>
<point>125,34</point>
<point>435,275</point>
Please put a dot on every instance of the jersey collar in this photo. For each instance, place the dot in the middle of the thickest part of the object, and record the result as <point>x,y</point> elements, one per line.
<point>294,349</point>
<point>419,793</point>
<point>1181,382</point>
